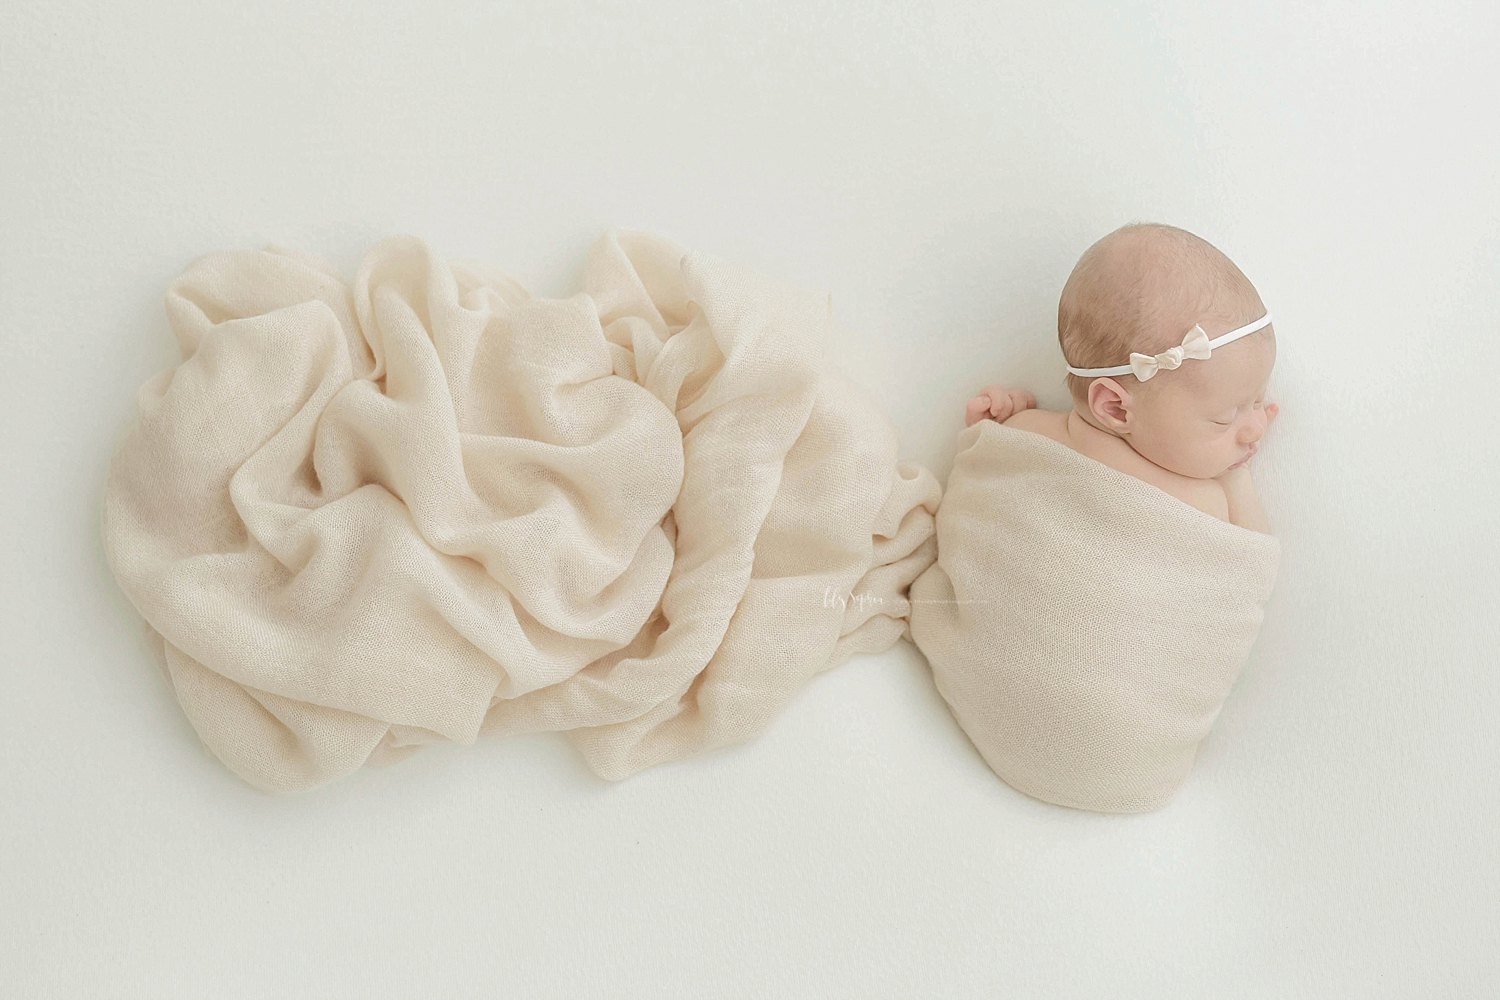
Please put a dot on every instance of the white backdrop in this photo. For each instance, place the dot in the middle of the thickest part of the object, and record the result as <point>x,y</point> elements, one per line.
<point>938,168</point>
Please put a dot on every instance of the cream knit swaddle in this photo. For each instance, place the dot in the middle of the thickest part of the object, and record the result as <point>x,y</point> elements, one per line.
<point>431,506</point>
<point>1083,626</point>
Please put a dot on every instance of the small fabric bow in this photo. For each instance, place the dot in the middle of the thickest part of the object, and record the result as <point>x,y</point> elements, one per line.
<point>1194,345</point>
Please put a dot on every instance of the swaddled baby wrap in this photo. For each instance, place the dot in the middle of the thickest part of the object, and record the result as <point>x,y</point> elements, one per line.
<point>1083,626</point>
<point>430,507</point>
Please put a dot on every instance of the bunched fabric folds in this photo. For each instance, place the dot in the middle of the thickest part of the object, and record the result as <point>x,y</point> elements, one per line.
<point>431,506</point>
<point>1083,626</point>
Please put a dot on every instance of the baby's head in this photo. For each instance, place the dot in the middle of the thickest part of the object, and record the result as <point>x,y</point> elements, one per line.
<point>1142,289</point>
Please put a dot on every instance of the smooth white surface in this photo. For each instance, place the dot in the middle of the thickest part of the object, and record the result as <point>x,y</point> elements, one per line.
<point>939,169</point>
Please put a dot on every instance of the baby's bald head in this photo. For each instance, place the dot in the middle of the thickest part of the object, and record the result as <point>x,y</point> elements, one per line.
<point>1141,288</point>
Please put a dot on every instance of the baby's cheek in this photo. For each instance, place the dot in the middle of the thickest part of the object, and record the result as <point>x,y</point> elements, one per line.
<point>1213,456</point>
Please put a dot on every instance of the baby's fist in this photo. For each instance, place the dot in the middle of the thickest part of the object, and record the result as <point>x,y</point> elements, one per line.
<point>998,404</point>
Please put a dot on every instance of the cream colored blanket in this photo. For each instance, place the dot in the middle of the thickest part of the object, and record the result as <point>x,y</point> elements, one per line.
<point>1083,626</point>
<point>429,507</point>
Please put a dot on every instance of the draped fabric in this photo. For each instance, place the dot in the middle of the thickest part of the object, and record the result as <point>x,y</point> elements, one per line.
<point>1084,626</point>
<point>430,506</point>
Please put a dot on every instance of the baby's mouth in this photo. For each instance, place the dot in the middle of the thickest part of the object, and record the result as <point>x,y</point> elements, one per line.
<point>1248,456</point>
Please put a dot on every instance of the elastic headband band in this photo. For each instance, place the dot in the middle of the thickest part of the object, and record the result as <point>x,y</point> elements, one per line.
<point>1195,345</point>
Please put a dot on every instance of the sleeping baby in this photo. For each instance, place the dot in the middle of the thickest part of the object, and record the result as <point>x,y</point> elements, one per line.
<point>1169,350</point>
<point>1102,573</point>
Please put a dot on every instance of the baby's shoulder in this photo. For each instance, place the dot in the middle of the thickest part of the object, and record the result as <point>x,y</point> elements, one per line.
<point>1208,495</point>
<point>1046,422</point>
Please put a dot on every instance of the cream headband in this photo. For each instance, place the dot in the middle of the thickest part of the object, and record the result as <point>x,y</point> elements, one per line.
<point>1195,345</point>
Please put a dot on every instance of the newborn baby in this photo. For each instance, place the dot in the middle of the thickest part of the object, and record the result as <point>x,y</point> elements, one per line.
<point>1169,350</point>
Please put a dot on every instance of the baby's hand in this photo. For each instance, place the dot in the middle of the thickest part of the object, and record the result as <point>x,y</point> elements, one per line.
<point>996,403</point>
<point>1270,410</point>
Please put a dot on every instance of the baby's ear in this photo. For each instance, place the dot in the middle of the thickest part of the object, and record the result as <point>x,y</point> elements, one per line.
<point>1109,403</point>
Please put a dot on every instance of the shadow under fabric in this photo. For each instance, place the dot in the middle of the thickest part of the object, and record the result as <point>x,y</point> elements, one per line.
<point>432,507</point>
<point>1084,627</point>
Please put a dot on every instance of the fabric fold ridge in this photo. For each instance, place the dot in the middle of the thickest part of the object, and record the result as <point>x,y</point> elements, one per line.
<point>427,506</point>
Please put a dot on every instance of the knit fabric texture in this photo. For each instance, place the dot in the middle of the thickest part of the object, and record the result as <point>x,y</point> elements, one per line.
<point>1083,626</point>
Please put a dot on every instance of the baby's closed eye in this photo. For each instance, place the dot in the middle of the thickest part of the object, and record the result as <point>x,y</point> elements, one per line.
<point>1229,416</point>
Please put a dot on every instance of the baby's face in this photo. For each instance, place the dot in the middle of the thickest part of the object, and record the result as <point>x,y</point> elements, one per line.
<point>1206,417</point>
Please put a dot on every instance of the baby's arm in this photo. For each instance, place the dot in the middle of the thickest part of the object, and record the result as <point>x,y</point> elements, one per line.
<point>997,403</point>
<point>1239,489</point>
<point>1244,506</point>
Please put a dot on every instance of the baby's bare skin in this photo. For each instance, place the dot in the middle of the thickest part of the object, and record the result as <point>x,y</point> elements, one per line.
<point>1188,430</point>
<point>1229,496</point>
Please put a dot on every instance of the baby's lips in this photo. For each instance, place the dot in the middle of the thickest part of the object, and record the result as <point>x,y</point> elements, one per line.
<point>1248,456</point>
